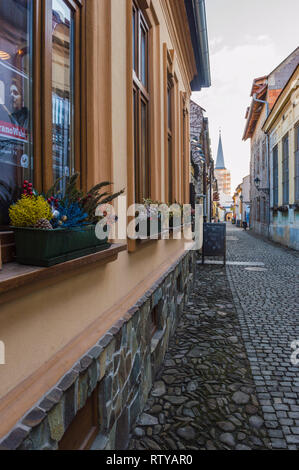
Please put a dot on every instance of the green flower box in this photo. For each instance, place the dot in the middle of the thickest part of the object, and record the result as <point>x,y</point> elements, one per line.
<point>46,248</point>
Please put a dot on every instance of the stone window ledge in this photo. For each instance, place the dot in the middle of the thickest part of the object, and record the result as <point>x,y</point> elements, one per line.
<point>14,275</point>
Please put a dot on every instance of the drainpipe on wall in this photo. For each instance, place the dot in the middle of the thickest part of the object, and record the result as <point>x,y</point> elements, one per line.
<point>201,26</point>
<point>268,157</point>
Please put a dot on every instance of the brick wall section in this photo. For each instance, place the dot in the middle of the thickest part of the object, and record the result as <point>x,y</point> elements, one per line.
<point>123,365</point>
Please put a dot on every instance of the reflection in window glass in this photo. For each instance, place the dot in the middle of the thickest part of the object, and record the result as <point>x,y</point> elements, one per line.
<point>144,167</point>
<point>15,101</point>
<point>133,39</point>
<point>62,89</point>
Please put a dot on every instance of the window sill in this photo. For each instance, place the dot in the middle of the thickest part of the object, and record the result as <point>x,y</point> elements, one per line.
<point>14,275</point>
<point>171,231</point>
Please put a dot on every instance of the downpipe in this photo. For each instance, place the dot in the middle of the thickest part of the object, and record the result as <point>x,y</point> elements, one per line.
<point>268,158</point>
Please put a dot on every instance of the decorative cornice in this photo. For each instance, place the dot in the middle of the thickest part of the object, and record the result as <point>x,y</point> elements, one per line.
<point>178,28</point>
<point>282,101</point>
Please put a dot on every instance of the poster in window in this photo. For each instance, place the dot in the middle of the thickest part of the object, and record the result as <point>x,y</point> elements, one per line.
<point>15,99</point>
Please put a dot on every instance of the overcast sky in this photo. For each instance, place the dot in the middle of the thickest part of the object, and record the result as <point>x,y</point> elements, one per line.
<point>248,39</point>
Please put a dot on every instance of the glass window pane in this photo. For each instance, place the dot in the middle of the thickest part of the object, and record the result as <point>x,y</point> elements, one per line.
<point>143,57</point>
<point>169,111</point>
<point>16,160</point>
<point>134,39</point>
<point>62,89</point>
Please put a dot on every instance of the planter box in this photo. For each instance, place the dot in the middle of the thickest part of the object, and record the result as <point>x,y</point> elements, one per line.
<point>284,209</point>
<point>149,227</point>
<point>175,225</point>
<point>49,247</point>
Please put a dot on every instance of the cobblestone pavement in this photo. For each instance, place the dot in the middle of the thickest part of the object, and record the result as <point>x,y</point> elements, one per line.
<point>267,305</point>
<point>227,380</point>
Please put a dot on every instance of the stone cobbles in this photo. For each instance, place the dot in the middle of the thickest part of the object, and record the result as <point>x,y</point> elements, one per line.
<point>205,396</point>
<point>267,305</point>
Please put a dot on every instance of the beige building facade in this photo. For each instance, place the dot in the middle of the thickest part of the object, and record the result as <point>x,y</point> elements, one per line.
<point>135,64</point>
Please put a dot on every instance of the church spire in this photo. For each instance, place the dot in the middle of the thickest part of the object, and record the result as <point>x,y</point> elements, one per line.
<point>220,158</point>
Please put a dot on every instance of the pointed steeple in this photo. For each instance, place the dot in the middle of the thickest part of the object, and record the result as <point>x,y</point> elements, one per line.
<point>220,158</point>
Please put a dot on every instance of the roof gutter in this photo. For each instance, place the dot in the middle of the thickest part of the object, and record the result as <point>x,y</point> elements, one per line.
<point>196,12</point>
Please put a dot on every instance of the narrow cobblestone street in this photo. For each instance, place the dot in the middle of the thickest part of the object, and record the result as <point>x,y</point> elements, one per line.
<point>227,380</point>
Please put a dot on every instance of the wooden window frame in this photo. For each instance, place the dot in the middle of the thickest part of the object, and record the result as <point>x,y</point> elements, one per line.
<point>169,134</point>
<point>89,416</point>
<point>42,98</point>
<point>142,96</point>
<point>154,320</point>
<point>185,149</point>
<point>154,107</point>
<point>43,174</point>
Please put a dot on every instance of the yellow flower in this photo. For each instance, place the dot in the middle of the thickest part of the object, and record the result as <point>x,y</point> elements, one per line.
<point>28,210</point>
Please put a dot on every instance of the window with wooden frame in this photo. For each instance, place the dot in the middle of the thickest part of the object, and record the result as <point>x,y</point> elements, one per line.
<point>185,148</point>
<point>285,169</point>
<point>141,101</point>
<point>84,428</point>
<point>170,139</point>
<point>40,95</point>
<point>16,77</point>
<point>154,320</point>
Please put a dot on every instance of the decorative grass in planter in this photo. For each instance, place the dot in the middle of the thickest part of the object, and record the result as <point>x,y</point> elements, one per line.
<point>53,229</point>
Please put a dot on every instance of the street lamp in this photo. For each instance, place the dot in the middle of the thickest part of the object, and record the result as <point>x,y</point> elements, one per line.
<point>257,183</point>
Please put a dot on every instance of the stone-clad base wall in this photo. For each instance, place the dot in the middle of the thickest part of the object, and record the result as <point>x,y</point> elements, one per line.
<point>120,369</point>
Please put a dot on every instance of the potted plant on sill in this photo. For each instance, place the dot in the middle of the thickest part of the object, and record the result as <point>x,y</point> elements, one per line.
<point>175,216</point>
<point>152,216</point>
<point>55,228</point>
<point>284,209</point>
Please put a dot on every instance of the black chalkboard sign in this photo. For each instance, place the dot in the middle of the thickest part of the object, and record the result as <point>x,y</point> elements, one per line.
<point>214,241</point>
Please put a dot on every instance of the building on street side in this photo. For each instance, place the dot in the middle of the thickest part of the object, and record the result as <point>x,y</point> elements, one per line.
<point>203,187</point>
<point>241,203</point>
<point>99,88</point>
<point>282,127</point>
<point>264,92</point>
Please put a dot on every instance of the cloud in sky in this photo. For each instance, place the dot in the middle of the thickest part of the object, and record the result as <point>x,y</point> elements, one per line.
<point>241,48</point>
<point>233,70</point>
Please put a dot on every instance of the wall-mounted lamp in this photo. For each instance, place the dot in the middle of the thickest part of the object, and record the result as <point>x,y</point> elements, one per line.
<point>257,183</point>
<point>4,55</point>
